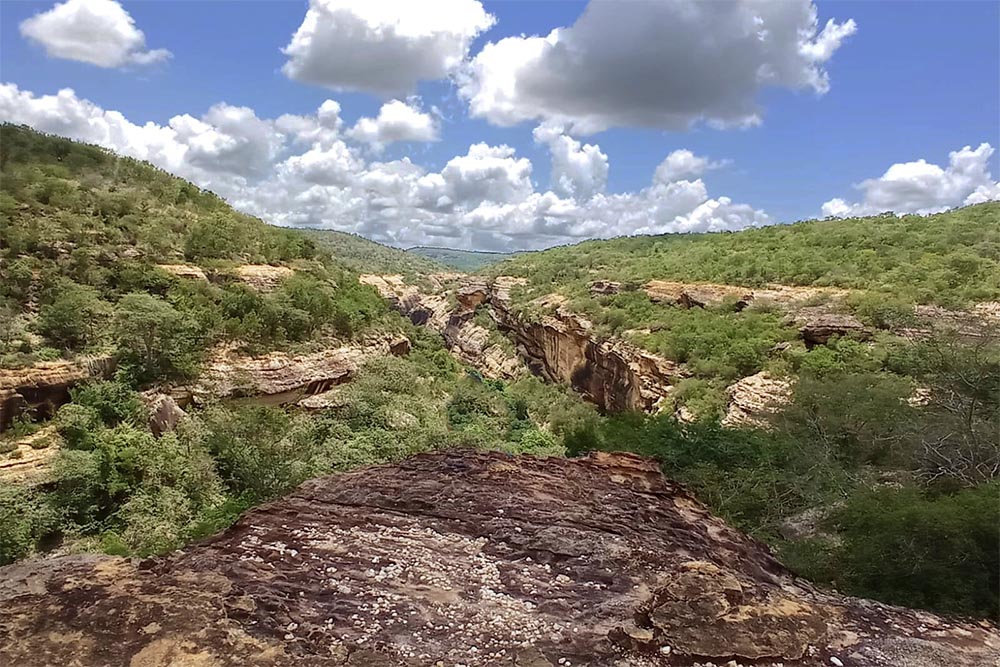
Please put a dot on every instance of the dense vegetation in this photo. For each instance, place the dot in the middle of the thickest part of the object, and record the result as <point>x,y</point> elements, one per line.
<point>460,260</point>
<point>951,258</point>
<point>892,498</point>
<point>83,233</point>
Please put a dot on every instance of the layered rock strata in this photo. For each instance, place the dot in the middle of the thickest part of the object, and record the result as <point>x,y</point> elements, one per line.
<point>469,559</point>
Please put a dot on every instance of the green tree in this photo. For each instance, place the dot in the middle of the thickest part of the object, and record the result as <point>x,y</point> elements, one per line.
<point>75,316</point>
<point>155,340</point>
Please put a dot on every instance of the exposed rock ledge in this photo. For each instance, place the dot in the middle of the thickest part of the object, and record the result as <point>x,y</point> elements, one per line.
<point>466,559</point>
<point>40,389</point>
<point>284,378</point>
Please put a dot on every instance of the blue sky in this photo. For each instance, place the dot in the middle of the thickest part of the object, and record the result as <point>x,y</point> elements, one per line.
<point>915,80</point>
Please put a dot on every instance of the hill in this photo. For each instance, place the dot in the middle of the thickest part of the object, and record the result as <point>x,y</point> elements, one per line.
<point>460,260</point>
<point>950,259</point>
<point>363,256</point>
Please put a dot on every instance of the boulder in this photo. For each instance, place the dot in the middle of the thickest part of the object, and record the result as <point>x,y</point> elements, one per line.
<point>817,325</point>
<point>464,558</point>
<point>752,400</point>
<point>604,287</point>
<point>164,413</point>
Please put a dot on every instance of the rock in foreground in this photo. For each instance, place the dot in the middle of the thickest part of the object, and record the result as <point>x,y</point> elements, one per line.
<point>465,559</point>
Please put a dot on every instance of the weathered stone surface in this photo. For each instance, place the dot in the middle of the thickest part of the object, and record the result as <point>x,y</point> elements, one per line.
<point>285,378</point>
<point>164,412</point>
<point>40,389</point>
<point>465,339</point>
<point>604,287</point>
<point>31,464</point>
<point>754,399</point>
<point>701,295</point>
<point>817,325</point>
<point>184,271</point>
<point>465,559</point>
<point>263,277</point>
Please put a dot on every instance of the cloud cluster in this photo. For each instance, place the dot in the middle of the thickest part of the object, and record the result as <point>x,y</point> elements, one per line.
<point>923,188</point>
<point>384,46</point>
<point>307,170</point>
<point>99,32</point>
<point>658,64</point>
<point>396,121</point>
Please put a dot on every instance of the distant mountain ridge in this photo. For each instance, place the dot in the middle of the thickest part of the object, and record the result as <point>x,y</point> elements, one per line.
<point>462,260</point>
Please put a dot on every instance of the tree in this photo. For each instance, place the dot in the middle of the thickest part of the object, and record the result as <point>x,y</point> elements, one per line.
<point>156,341</point>
<point>75,316</point>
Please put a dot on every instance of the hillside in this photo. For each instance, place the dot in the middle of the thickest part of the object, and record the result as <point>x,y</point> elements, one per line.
<point>460,260</point>
<point>949,259</point>
<point>361,255</point>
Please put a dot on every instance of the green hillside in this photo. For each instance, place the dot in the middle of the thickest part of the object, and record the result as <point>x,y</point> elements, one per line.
<point>460,260</point>
<point>951,258</point>
<point>363,256</point>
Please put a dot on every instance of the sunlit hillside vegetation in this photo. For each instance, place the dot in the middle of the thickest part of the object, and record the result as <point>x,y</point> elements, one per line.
<point>951,258</point>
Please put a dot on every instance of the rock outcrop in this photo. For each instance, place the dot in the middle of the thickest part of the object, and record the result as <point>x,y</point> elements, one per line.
<point>752,400</point>
<point>281,378</point>
<point>40,389</point>
<point>703,295</point>
<point>469,559</point>
<point>30,463</point>
<point>466,340</point>
<point>818,324</point>
<point>164,412</point>
<point>184,271</point>
<point>263,277</point>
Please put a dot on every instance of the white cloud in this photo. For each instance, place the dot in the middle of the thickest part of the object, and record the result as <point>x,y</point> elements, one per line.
<point>382,46</point>
<point>663,64</point>
<point>99,32</point>
<point>923,188</point>
<point>301,170</point>
<point>396,121</point>
<point>578,171</point>
<point>682,163</point>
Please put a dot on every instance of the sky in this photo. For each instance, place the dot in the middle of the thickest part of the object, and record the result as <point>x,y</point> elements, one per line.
<point>522,125</point>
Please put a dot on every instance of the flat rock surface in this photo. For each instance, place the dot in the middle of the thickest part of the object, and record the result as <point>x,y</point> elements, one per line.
<point>465,558</point>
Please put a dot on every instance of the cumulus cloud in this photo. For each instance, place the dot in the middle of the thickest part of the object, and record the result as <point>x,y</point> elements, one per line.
<point>305,170</point>
<point>578,171</point>
<point>99,32</point>
<point>396,121</point>
<point>384,47</point>
<point>658,64</point>
<point>921,187</point>
<point>682,163</point>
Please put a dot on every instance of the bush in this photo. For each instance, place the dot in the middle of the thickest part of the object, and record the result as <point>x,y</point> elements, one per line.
<point>940,553</point>
<point>25,518</point>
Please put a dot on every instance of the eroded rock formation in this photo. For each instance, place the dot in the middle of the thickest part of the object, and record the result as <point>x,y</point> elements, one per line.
<point>263,277</point>
<point>40,389</point>
<point>469,559</point>
<point>30,463</point>
<point>754,399</point>
<point>284,378</point>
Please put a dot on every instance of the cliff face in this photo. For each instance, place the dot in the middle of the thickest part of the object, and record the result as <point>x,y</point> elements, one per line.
<point>465,559</point>
<point>560,347</point>
<point>40,389</point>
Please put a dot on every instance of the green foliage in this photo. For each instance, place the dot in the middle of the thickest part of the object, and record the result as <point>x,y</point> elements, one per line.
<point>932,552</point>
<point>881,311</point>
<point>949,258</point>
<point>155,340</point>
<point>75,316</point>
<point>25,518</point>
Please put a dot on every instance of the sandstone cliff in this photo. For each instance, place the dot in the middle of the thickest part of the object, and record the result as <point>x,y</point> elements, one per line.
<point>40,389</point>
<point>466,559</point>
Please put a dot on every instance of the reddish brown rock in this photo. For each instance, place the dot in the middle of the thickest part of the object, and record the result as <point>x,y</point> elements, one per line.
<point>466,559</point>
